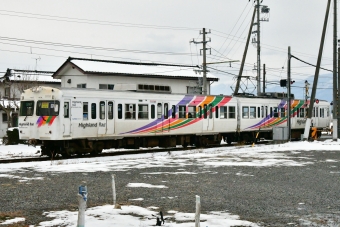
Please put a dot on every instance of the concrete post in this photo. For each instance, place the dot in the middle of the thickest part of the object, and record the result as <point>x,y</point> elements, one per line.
<point>198,211</point>
<point>82,199</point>
<point>114,190</point>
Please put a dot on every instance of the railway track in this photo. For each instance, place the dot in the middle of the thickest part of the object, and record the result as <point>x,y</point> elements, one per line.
<point>108,154</point>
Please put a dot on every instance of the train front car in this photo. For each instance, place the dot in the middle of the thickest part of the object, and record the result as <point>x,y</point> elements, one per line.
<point>39,120</point>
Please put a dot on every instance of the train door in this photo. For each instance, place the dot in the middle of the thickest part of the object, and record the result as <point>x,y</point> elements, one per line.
<point>208,121</point>
<point>67,118</point>
<point>106,119</point>
<point>315,116</point>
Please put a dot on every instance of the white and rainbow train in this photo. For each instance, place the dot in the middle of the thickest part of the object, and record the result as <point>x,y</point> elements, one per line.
<point>74,121</point>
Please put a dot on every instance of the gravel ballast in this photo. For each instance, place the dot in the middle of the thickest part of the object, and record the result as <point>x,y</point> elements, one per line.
<point>269,196</point>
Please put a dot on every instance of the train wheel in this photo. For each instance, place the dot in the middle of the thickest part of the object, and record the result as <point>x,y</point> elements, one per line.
<point>52,154</point>
<point>229,140</point>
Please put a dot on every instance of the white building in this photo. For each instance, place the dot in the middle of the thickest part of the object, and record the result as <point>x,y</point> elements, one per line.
<point>118,75</point>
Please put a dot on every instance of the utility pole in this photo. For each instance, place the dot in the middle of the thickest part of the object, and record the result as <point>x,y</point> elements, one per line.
<point>244,55</point>
<point>316,77</point>
<point>288,95</point>
<point>265,10</point>
<point>258,50</point>
<point>335,79</point>
<point>264,78</point>
<point>204,65</point>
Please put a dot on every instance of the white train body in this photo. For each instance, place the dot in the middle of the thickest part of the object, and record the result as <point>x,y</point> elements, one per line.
<point>71,121</point>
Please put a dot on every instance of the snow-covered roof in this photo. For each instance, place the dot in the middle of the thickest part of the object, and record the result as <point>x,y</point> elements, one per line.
<point>94,66</point>
<point>29,75</point>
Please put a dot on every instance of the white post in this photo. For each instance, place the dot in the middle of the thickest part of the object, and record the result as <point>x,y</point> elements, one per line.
<point>82,198</point>
<point>198,211</point>
<point>114,190</point>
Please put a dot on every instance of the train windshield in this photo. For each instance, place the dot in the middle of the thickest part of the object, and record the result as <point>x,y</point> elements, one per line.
<point>26,108</point>
<point>48,108</point>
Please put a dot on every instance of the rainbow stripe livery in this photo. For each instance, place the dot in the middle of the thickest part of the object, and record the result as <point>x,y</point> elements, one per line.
<point>43,120</point>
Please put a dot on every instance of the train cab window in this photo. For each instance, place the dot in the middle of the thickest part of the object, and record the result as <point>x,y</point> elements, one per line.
<point>85,110</point>
<point>102,110</point>
<point>276,112</point>
<point>130,111</point>
<point>26,108</point>
<point>181,111</point>
<point>231,112</point>
<point>143,111</point>
<point>216,112</point>
<point>153,111</point>
<point>120,111</point>
<point>245,112</point>
<point>159,110</point>
<point>252,112</point>
<point>173,111</point>
<point>166,110</point>
<point>205,111</point>
<point>93,111</point>
<point>110,110</point>
<point>210,111</point>
<point>282,112</point>
<point>224,112</point>
<point>48,108</point>
<point>66,109</point>
<point>200,111</point>
<point>191,111</point>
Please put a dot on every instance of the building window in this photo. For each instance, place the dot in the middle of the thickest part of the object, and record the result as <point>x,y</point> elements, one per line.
<point>81,85</point>
<point>106,86</point>
<point>4,117</point>
<point>7,91</point>
<point>154,88</point>
<point>194,90</point>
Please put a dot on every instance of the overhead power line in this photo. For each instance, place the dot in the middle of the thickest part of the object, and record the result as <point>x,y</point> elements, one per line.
<point>309,63</point>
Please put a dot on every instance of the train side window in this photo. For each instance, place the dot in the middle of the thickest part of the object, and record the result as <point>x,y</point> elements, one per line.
<point>266,111</point>
<point>302,112</point>
<point>181,111</point>
<point>120,111</point>
<point>85,110</point>
<point>93,110</point>
<point>153,110</point>
<point>210,111</point>
<point>283,112</point>
<point>245,112</point>
<point>191,111</point>
<point>110,110</point>
<point>216,111</point>
<point>231,112</point>
<point>276,112</point>
<point>102,110</point>
<point>166,110</point>
<point>159,110</point>
<point>205,111</point>
<point>224,112</point>
<point>316,111</point>
<point>252,113</point>
<point>262,111</point>
<point>66,109</point>
<point>173,111</point>
<point>130,111</point>
<point>143,111</point>
<point>258,112</point>
<point>271,111</point>
<point>200,111</point>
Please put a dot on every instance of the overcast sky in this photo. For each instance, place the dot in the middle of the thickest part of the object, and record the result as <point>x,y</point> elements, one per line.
<point>41,34</point>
